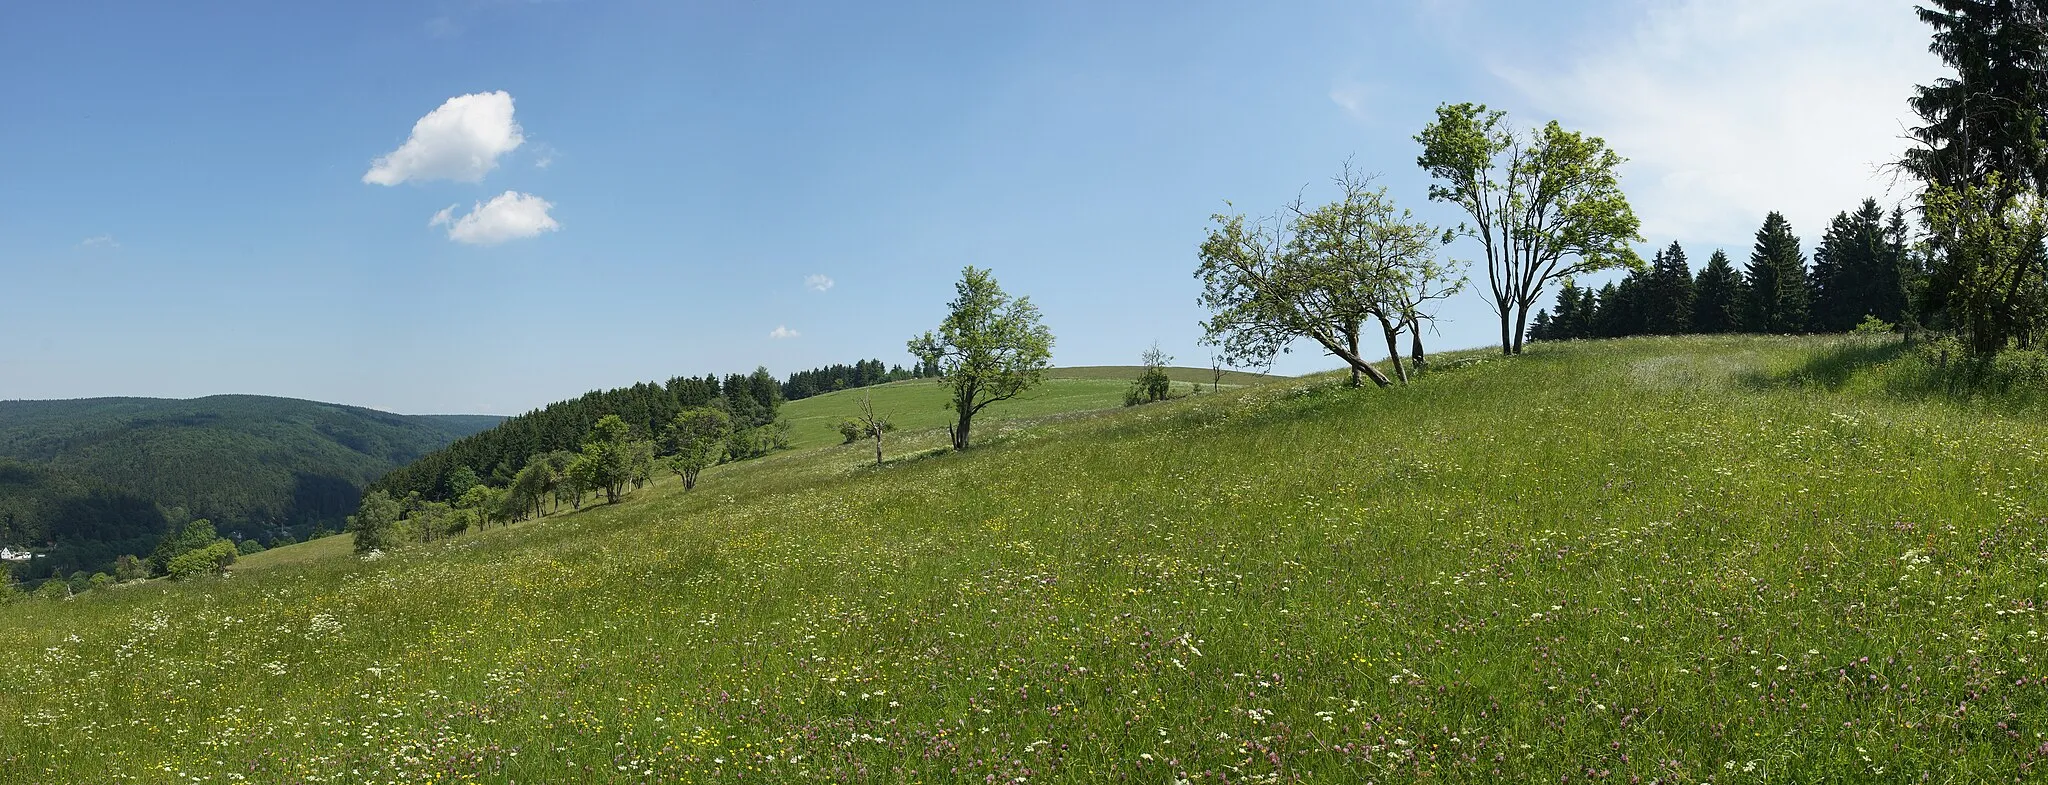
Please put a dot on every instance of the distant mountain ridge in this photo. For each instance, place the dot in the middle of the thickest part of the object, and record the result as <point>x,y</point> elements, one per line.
<point>258,466</point>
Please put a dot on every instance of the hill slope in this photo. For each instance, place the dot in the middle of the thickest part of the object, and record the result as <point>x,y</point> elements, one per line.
<point>919,404</point>
<point>1664,559</point>
<point>248,462</point>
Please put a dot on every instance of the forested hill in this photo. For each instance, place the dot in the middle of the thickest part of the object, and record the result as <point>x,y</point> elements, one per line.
<point>257,466</point>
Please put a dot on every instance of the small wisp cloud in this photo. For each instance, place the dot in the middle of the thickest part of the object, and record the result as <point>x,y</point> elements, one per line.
<point>817,283</point>
<point>508,216</point>
<point>782,332</point>
<point>461,140</point>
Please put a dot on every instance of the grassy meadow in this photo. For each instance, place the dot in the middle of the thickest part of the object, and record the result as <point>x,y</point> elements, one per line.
<point>1651,560</point>
<point>919,404</point>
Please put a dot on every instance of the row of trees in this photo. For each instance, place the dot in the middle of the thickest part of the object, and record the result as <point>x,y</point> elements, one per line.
<point>752,402</point>
<point>864,373</point>
<point>612,461</point>
<point>1864,268</point>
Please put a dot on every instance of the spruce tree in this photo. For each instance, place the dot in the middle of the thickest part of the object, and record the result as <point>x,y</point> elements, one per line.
<point>1857,272</point>
<point>1668,293</point>
<point>1777,295</point>
<point>1570,320</point>
<point>1540,330</point>
<point>1717,297</point>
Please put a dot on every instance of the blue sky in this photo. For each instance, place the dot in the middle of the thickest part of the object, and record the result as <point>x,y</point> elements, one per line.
<point>191,200</point>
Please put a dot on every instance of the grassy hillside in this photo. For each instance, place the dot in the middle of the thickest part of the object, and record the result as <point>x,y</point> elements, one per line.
<point>248,462</point>
<point>920,404</point>
<point>1675,560</point>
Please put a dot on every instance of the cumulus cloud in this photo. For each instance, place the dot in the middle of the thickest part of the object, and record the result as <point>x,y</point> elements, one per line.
<point>781,332</point>
<point>1728,109</point>
<point>461,140</point>
<point>508,216</point>
<point>817,283</point>
<point>99,241</point>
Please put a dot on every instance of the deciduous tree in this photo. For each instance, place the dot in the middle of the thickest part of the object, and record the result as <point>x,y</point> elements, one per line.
<point>990,348</point>
<point>1544,207</point>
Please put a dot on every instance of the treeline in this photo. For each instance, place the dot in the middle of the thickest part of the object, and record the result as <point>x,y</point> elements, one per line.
<point>495,457</point>
<point>69,523</point>
<point>1866,268</point>
<point>864,373</point>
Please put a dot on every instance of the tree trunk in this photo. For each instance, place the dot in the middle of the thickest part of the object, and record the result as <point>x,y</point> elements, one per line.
<point>1415,338</point>
<point>1507,342</point>
<point>689,481</point>
<point>1394,348</point>
<point>1521,325</point>
<point>960,430</point>
<point>1351,339</point>
<point>878,450</point>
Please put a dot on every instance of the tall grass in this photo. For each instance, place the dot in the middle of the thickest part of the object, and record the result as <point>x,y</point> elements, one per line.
<point>1614,561</point>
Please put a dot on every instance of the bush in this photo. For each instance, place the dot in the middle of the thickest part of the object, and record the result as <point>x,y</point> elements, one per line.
<point>247,547</point>
<point>99,580</point>
<point>2020,370</point>
<point>130,568</point>
<point>851,430</point>
<point>1874,326</point>
<point>210,560</point>
<point>53,589</point>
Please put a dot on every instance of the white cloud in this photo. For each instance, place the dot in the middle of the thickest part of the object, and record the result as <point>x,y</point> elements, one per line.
<point>461,140</point>
<point>817,283</point>
<point>1351,97</point>
<point>508,216</point>
<point>781,332</point>
<point>1728,109</point>
<point>99,241</point>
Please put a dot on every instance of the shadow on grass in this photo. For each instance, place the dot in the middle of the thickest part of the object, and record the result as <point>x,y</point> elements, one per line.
<point>1831,368</point>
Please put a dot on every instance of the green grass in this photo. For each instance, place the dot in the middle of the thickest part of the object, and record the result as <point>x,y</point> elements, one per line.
<point>919,404</point>
<point>1600,561</point>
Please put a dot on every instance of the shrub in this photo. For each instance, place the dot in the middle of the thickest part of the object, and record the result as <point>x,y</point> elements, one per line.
<point>99,580</point>
<point>2019,370</point>
<point>130,568</point>
<point>210,560</point>
<point>1873,326</point>
<point>851,430</point>
<point>247,547</point>
<point>53,589</point>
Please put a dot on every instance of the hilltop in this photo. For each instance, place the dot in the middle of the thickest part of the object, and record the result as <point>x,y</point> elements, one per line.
<point>256,465</point>
<point>1659,559</point>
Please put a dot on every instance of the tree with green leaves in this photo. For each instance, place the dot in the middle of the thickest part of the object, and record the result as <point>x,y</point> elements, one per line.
<point>375,524</point>
<point>1669,293</point>
<point>1860,270</point>
<point>1152,384</point>
<point>1776,296</point>
<point>990,348</point>
<point>1545,206</point>
<point>193,536</point>
<point>607,458</point>
<point>1322,273</point>
<point>697,439</point>
<point>1987,120</point>
<point>476,506</point>
<point>1994,252</point>
<point>534,482</point>
<point>1717,298</point>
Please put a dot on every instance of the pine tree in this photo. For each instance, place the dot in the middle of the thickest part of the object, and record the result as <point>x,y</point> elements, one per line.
<point>1988,118</point>
<point>1668,293</point>
<point>1621,308</point>
<point>1777,295</point>
<point>1717,297</point>
<point>1857,272</point>
<point>1571,321</point>
<point>1541,329</point>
